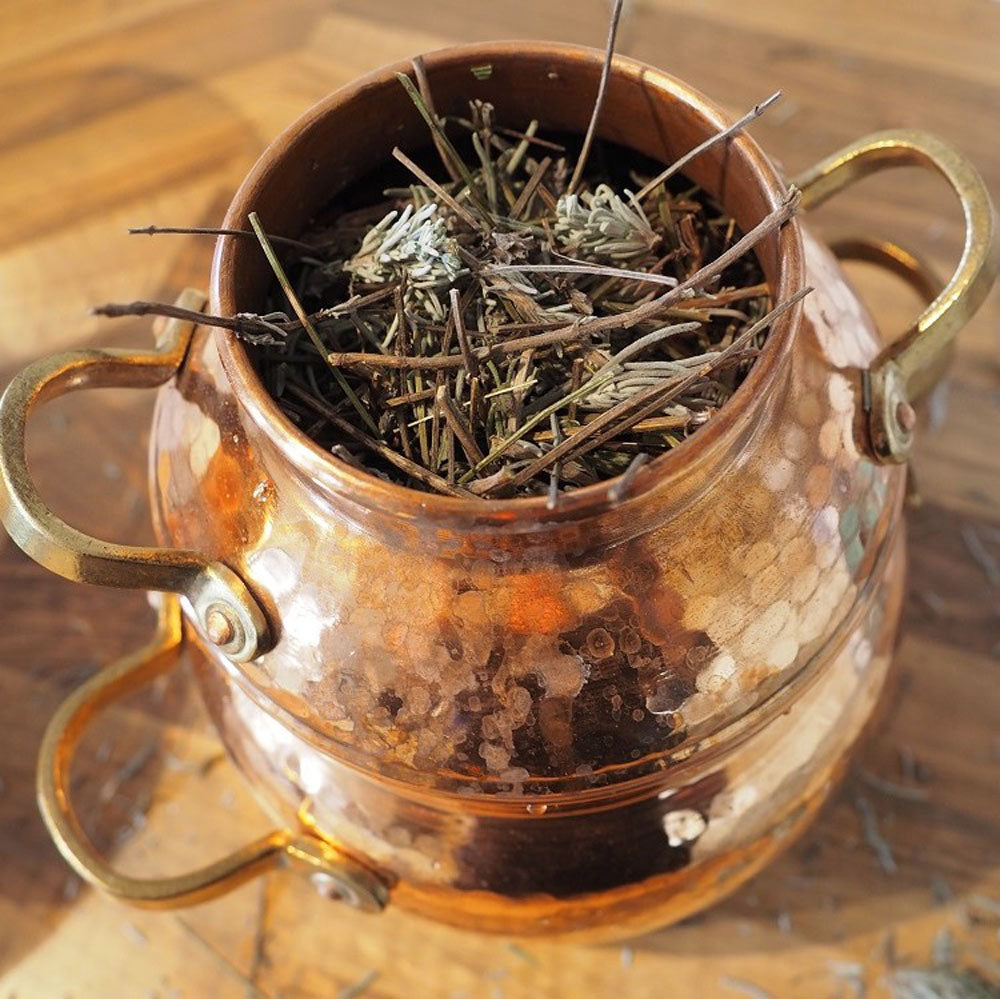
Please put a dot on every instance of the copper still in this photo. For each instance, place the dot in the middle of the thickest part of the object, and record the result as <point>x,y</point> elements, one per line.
<point>594,719</point>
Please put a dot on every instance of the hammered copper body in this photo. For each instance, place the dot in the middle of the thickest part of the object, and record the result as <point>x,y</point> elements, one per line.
<point>596,718</point>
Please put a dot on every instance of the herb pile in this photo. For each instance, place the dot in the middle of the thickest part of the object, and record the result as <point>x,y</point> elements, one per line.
<point>506,328</point>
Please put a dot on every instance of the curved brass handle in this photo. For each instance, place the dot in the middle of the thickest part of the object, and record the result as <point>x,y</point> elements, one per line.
<point>225,609</point>
<point>349,880</point>
<point>908,367</point>
<point>917,273</point>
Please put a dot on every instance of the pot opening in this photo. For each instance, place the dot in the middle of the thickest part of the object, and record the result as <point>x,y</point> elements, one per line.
<point>338,154</point>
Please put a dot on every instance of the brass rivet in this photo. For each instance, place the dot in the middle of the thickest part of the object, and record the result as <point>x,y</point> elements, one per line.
<point>906,416</point>
<point>219,627</point>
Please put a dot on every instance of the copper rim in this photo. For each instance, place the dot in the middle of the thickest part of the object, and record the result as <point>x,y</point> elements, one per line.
<point>375,493</point>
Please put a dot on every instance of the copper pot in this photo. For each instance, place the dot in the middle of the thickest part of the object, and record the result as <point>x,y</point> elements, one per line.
<point>592,719</point>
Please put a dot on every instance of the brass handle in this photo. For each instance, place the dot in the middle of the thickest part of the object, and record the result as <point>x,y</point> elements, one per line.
<point>348,879</point>
<point>917,273</point>
<point>225,609</point>
<point>911,365</point>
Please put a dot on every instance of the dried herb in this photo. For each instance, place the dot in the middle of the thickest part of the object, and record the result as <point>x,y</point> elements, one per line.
<point>509,321</point>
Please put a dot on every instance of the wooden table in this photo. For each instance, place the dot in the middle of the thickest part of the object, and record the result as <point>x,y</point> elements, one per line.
<point>117,114</point>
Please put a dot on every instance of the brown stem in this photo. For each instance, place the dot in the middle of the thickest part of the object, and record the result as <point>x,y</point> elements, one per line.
<point>420,73</point>
<point>411,468</point>
<point>427,180</point>
<point>677,165</point>
<point>657,424</point>
<point>354,359</point>
<point>459,427</point>
<point>724,297</point>
<point>599,270</point>
<point>544,143</point>
<point>576,380</point>
<point>197,230</point>
<point>410,397</point>
<point>528,191</point>
<point>458,324</point>
<point>238,324</point>
<point>602,88</point>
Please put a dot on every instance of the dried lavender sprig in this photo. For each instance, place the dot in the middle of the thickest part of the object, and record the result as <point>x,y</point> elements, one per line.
<point>602,224</point>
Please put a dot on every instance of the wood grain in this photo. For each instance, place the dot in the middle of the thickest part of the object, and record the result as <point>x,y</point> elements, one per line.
<point>118,114</point>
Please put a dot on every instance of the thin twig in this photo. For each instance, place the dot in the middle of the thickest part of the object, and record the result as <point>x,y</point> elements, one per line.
<point>522,148</point>
<point>534,139</point>
<point>599,270</point>
<point>602,87</point>
<point>458,425</point>
<point>469,358</point>
<point>437,362</point>
<point>420,72</point>
<point>198,230</point>
<point>755,112</point>
<point>528,192</point>
<point>238,324</point>
<point>409,398</point>
<point>411,468</point>
<point>438,131</point>
<point>293,300</point>
<point>221,960</point>
<point>426,179</point>
<point>242,323</point>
